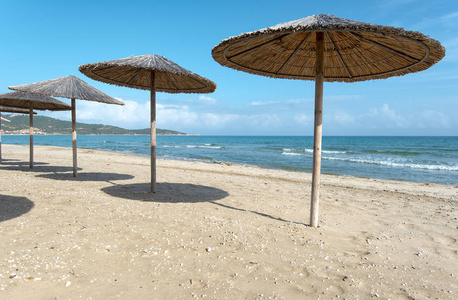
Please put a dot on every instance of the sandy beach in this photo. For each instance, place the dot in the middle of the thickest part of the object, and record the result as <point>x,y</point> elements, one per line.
<point>216,232</point>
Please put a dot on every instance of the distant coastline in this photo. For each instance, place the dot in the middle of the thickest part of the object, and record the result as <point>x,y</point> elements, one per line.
<point>19,125</point>
<point>161,134</point>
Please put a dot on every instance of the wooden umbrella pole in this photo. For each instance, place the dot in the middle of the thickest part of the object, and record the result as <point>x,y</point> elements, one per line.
<point>31,135</point>
<point>153,132</point>
<point>319,68</point>
<point>0,137</point>
<point>74,137</point>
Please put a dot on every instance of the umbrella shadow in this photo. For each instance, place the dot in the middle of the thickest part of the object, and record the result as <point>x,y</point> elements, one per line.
<point>37,167</point>
<point>167,192</point>
<point>259,214</point>
<point>18,163</point>
<point>87,176</point>
<point>8,160</point>
<point>12,207</point>
<point>180,193</point>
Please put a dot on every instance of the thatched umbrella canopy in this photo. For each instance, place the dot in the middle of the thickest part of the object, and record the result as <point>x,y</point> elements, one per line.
<point>14,110</point>
<point>32,101</point>
<point>11,110</point>
<point>149,72</point>
<point>68,87</point>
<point>328,48</point>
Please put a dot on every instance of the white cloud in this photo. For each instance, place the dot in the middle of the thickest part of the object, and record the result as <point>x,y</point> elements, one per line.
<point>131,115</point>
<point>95,112</point>
<point>61,115</point>
<point>259,103</point>
<point>169,106</point>
<point>137,115</point>
<point>275,119</point>
<point>264,121</point>
<point>290,102</point>
<point>299,101</point>
<point>447,21</point>
<point>383,118</point>
<point>303,119</point>
<point>433,119</point>
<point>342,117</point>
<point>131,112</point>
<point>387,117</point>
<point>206,99</point>
<point>170,116</point>
<point>182,117</point>
<point>450,16</point>
<point>218,120</point>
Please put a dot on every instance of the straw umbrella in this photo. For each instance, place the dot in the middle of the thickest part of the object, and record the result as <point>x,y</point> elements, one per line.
<point>149,72</point>
<point>328,48</point>
<point>32,101</point>
<point>68,87</point>
<point>11,110</point>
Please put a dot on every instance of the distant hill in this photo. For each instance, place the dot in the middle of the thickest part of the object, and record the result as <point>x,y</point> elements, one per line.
<point>47,125</point>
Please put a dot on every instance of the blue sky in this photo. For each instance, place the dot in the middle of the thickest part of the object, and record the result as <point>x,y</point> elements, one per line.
<point>42,40</point>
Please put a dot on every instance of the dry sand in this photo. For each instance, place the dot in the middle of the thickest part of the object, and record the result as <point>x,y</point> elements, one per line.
<point>217,232</point>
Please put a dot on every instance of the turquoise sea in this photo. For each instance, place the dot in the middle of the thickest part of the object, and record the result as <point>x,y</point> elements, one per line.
<point>416,159</point>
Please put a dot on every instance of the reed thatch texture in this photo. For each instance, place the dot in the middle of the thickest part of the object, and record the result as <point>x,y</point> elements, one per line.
<point>37,101</point>
<point>135,72</point>
<point>67,87</point>
<point>353,51</point>
<point>15,110</point>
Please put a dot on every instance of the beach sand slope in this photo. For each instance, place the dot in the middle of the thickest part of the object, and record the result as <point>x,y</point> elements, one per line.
<point>216,232</point>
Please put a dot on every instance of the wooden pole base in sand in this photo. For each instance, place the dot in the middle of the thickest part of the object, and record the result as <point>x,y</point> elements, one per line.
<point>319,67</point>
<point>74,137</point>
<point>0,137</point>
<point>153,132</point>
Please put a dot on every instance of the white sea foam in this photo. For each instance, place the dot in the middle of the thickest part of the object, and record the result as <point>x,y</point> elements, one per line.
<point>193,146</point>
<point>205,147</point>
<point>168,146</point>
<point>396,164</point>
<point>334,152</point>
<point>311,151</point>
<point>291,153</point>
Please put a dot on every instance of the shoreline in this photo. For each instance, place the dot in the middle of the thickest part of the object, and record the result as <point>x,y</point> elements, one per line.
<point>216,231</point>
<point>185,159</point>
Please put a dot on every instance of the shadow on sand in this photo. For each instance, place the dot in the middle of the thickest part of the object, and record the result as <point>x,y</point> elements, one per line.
<point>258,213</point>
<point>17,163</point>
<point>167,192</point>
<point>179,193</point>
<point>87,176</point>
<point>12,207</point>
<point>37,167</point>
<point>8,160</point>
